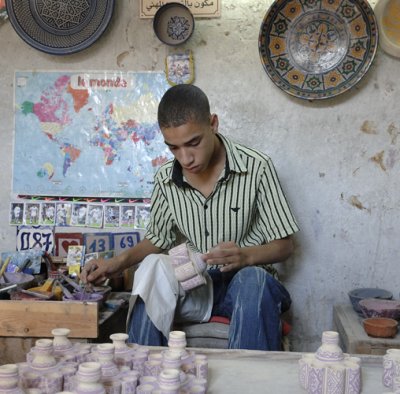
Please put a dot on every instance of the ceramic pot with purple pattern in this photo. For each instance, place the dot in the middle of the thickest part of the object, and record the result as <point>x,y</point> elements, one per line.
<point>43,358</point>
<point>105,356</point>
<point>88,379</point>
<point>330,349</point>
<point>8,378</point>
<point>61,343</point>
<point>391,366</point>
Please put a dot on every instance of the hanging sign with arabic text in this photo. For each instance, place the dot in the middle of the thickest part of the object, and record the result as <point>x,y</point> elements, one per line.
<point>199,8</point>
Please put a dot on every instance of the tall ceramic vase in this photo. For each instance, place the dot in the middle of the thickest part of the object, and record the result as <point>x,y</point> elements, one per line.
<point>122,353</point>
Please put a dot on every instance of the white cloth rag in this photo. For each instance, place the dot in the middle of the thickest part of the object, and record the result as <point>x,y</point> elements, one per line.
<point>165,300</point>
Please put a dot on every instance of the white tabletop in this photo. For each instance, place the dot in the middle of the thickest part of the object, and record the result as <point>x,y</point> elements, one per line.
<point>248,371</point>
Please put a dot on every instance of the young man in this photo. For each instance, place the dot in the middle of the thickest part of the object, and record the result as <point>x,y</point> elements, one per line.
<point>226,200</point>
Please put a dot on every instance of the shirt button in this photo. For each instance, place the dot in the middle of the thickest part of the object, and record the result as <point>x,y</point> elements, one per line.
<point>205,206</point>
<point>207,233</point>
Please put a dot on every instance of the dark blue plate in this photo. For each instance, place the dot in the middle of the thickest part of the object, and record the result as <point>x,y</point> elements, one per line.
<point>60,27</point>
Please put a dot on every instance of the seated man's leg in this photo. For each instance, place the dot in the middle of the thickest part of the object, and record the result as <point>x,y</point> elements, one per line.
<point>141,330</point>
<point>255,300</point>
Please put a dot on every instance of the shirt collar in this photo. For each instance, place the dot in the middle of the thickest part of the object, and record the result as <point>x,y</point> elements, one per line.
<point>233,163</point>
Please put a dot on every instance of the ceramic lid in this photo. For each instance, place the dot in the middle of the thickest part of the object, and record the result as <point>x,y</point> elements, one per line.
<point>173,23</point>
<point>387,13</point>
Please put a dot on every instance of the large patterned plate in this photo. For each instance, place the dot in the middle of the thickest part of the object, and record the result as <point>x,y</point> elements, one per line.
<point>60,27</point>
<point>316,49</point>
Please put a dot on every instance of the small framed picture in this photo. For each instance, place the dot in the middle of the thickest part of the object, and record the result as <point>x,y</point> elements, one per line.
<point>63,214</point>
<point>16,213</point>
<point>111,215</point>
<point>142,217</point>
<point>48,213</point>
<point>75,255</point>
<point>127,215</point>
<point>79,214</point>
<point>31,211</point>
<point>95,214</point>
<point>65,240</point>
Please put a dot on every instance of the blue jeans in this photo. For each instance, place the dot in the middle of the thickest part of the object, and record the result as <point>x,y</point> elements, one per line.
<point>251,298</point>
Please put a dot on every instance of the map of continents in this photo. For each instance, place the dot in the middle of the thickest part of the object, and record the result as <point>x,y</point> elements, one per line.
<point>87,134</point>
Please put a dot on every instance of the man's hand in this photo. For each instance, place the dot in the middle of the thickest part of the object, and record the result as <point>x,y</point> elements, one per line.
<point>231,257</point>
<point>228,255</point>
<point>97,271</point>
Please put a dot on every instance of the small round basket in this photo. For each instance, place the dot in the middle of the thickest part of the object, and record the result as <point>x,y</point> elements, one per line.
<point>173,24</point>
<point>380,327</point>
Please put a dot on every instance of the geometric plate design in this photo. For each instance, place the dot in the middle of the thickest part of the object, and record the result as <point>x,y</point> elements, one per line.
<point>317,49</point>
<point>60,27</point>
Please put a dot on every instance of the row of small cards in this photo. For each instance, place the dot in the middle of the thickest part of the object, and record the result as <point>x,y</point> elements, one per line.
<point>79,214</point>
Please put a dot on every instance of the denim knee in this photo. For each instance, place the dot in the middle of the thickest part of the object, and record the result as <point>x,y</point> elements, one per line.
<point>263,281</point>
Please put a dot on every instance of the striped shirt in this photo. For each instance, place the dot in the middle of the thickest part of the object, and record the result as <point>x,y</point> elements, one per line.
<point>247,205</point>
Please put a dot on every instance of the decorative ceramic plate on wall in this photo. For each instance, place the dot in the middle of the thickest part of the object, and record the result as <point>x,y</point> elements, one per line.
<point>387,13</point>
<point>173,23</point>
<point>60,27</point>
<point>316,49</point>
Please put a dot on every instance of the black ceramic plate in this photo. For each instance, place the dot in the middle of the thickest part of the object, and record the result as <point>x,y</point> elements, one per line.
<point>173,23</point>
<point>315,49</point>
<point>60,27</point>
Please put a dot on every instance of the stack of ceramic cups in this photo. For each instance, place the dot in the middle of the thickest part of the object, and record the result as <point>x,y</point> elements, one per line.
<point>189,267</point>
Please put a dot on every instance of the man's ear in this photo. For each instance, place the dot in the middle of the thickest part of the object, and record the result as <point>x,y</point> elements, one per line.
<point>214,123</point>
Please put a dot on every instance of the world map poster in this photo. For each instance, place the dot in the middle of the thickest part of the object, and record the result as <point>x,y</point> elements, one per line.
<point>87,133</point>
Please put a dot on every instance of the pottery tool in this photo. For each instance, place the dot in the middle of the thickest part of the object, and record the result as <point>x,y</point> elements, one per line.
<point>43,291</point>
<point>4,266</point>
<point>67,293</point>
<point>71,282</point>
<point>8,288</point>
<point>88,287</point>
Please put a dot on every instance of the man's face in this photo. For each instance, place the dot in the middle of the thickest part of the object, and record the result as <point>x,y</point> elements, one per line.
<point>193,144</point>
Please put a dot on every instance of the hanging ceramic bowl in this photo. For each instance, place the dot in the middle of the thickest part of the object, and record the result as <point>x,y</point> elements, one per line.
<point>387,13</point>
<point>318,49</point>
<point>173,24</point>
<point>60,27</point>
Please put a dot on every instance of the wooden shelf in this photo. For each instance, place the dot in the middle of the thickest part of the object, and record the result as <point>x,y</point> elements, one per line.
<point>353,337</point>
<point>38,318</point>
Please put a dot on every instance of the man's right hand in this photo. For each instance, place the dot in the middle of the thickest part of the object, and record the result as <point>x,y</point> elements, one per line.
<point>97,271</point>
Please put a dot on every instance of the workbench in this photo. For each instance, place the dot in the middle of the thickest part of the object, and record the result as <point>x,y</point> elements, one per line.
<point>354,339</point>
<point>23,322</point>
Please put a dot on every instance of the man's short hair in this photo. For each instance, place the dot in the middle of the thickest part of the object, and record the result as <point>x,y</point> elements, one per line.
<point>182,104</point>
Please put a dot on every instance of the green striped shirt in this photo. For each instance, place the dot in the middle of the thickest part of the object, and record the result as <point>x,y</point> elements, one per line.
<point>247,205</point>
